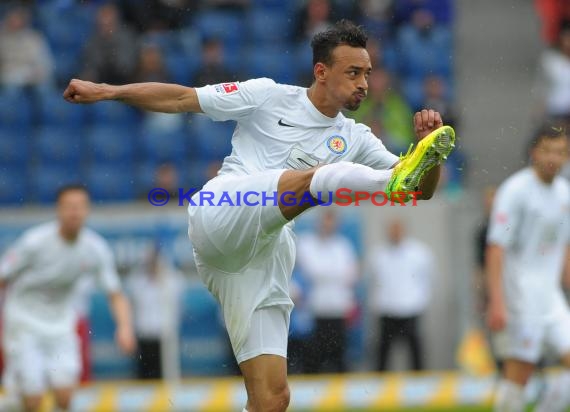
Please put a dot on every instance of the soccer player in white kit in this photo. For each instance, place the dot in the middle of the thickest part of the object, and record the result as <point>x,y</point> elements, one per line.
<point>40,272</point>
<point>527,255</point>
<point>290,144</point>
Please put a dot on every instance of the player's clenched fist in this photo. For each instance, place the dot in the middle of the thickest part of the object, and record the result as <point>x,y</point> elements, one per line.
<point>426,122</point>
<point>496,317</point>
<point>81,91</point>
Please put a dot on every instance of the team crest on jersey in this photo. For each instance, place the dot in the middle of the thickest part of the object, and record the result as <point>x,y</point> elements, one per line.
<point>336,144</point>
<point>227,88</point>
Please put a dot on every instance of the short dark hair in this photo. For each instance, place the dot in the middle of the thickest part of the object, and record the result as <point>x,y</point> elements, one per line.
<point>548,130</point>
<point>70,187</point>
<point>343,32</point>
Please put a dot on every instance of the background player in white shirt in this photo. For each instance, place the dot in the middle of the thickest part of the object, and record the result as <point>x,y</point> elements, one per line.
<point>329,263</point>
<point>527,254</point>
<point>40,272</point>
<point>290,143</point>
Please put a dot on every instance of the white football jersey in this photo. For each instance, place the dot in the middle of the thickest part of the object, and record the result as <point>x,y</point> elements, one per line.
<point>530,220</point>
<point>279,128</point>
<point>42,271</point>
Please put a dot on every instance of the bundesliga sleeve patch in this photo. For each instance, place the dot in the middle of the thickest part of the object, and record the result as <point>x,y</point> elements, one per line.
<point>227,88</point>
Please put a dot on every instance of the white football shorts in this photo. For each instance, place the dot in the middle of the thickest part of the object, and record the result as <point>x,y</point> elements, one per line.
<point>245,253</point>
<point>36,363</point>
<point>526,340</point>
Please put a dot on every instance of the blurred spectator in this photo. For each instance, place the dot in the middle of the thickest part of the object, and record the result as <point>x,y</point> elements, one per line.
<point>328,262</point>
<point>157,15</point>
<point>25,57</point>
<point>314,17</point>
<point>151,66</point>
<point>403,10</point>
<point>401,288</point>
<point>166,177</point>
<point>110,55</point>
<point>386,112</point>
<point>552,13</point>
<point>554,77</point>
<point>212,69</point>
<point>155,293</point>
<point>424,48</point>
<point>436,97</point>
<point>375,17</point>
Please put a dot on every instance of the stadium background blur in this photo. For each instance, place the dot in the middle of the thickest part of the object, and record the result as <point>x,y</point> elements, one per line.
<point>476,62</point>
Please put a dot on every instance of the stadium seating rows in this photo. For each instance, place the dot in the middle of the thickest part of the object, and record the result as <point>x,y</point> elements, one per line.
<point>110,146</point>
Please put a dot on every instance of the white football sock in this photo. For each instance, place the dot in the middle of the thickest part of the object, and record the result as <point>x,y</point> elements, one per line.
<point>244,410</point>
<point>509,397</point>
<point>349,176</point>
<point>556,397</point>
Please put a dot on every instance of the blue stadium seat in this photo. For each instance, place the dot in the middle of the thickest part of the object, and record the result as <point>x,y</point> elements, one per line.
<point>16,112</point>
<point>269,26</point>
<point>212,140</point>
<point>58,145</point>
<point>14,148</point>
<point>111,144</point>
<point>114,113</point>
<point>420,55</point>
<point>55,111</point>
<point>195,174</point>
<point>303,62</point>
<point>47,178</point>
<point>164,146</point>
<point>14,188</point>
<point>67,65</point>
<point>276,5</point>
<point>274,62</point>
<point>66,28</point>
<point>182,67</point>
<point>113,183</point>
<point>226,26</point>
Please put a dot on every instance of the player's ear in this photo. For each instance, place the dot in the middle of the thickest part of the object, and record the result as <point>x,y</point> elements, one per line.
<point>320,72</point>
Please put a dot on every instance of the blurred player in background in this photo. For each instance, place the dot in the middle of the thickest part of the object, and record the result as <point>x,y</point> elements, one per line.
<point>527,255</point>
<point>40,273</point>
<point>292,145</point>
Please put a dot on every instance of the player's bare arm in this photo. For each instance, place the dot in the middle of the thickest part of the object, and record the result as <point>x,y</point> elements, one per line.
<point>496,311</point>
<point>154,97</point>
<point>566,274</point>
<point>121,310</point>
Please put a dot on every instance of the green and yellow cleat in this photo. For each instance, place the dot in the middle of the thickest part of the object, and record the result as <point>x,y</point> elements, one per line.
<point>429,152</point>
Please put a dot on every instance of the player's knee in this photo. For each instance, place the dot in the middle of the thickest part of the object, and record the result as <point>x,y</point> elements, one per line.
<point>32,404</point>
<point>63,403</point>
<point>276,399</point>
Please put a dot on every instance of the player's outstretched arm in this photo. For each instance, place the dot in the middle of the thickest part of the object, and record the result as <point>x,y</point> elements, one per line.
<point>496,313</point>
<point>155,97</point>
<point>121,310</point>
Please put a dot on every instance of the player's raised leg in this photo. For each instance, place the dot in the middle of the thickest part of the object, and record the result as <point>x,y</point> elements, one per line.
<point>417,172</point>
<point>265,379</point>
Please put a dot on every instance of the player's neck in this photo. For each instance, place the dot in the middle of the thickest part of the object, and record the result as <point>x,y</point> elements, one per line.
<point>68,235</point>
<point>319,99</point>
<point>547,180</point>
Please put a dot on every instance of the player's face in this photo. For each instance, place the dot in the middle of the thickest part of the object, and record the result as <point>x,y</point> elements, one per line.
<point>72,210</point>
<point>347,77</point>
<point>548,157</point>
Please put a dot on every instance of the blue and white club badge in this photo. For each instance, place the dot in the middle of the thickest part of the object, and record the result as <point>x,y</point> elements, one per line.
<point>336,144</point>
